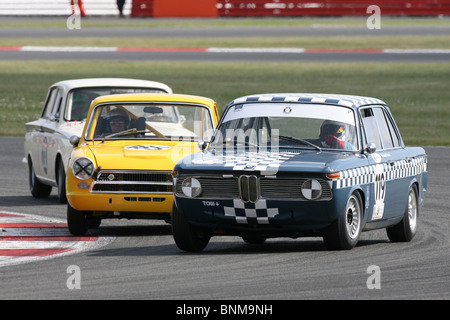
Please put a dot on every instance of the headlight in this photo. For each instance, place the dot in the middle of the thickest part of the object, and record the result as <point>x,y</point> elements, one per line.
<point>311,189</point>
<point>83,168</point>
<point>191,187</point>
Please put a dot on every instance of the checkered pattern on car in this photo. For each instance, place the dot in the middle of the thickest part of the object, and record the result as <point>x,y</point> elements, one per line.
<point>263,161</point>
<point>343,100</point>
<point>396,170</point>
<point>244,212</point>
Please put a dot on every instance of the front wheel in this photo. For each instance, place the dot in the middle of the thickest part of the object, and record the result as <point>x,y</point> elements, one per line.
<point>37,188</point>
<point>61,180</point>
<point>406,229</point>
<point>344,233</point>
<point>188,237</point>
<point>77,221</point>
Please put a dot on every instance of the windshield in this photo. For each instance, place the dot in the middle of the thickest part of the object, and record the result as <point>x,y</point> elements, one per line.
<point>284,125</point>
<point>150,121</point>
<point>79,100</point>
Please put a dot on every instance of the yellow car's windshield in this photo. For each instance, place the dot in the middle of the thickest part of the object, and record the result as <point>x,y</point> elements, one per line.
<point>150,121</point>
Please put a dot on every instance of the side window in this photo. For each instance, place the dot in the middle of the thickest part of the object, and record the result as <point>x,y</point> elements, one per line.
<point>379,128</point>
<point>395,137</point>
<point>383,128</point>
<point>371,128</point>
<point>49,103</point>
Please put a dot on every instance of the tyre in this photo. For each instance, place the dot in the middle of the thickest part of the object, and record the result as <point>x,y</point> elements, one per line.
<point>61,179</point>
<point>344,233</point>
<point>77,221</point>
<point>188,237</point>
<point>37,188</point>
<point>406,229</point>
<point>253,239</point>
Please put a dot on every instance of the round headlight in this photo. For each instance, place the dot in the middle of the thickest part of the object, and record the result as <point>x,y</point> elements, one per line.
<point>83,168</point>
<point>311,189</point>
<point>191,187</point>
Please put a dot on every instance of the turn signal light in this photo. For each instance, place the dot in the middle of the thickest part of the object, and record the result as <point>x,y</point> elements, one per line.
<point>334,175</point>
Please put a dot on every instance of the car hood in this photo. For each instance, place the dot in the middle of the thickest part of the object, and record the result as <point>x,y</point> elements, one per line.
<point>269,162</point>
<point>140,155</point>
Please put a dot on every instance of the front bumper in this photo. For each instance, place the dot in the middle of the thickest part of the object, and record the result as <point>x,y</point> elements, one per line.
<point>264,215</point>
<point>85,201</point>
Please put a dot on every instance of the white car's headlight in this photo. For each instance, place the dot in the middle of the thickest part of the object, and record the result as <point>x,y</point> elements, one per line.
<point>83,168</point>
<point>191,187</point>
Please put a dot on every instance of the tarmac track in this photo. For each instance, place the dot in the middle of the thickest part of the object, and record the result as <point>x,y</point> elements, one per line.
<point>278,31</point>
<point>144,263</point>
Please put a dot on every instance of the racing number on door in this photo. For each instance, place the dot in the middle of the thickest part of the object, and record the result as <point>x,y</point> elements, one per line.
<point>380,192</point>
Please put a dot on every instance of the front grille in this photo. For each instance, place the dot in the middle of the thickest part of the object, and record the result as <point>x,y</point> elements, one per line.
<point>252,188</point>
<point>121,181</point>
<point>287,188</point>
<point>248,188</point>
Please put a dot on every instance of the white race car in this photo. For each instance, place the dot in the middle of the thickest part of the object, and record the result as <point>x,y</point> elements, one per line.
<point>47,147</point>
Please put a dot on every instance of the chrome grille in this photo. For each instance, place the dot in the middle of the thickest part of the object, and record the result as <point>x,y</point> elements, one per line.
<point>252,188</point>
<point>288,188</point>
<point>123,181</point>
<point>214,188</point>
<point>248,188</point>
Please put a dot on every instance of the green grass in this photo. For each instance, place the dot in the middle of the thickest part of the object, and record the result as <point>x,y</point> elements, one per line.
<point>97,22</point>
<point>418,94</point>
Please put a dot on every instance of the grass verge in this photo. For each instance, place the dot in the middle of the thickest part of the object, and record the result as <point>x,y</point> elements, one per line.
<point>417,94</point>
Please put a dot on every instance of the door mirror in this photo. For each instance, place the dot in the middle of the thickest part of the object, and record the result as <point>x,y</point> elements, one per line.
<point>370,148</point>
<point>74,140</point>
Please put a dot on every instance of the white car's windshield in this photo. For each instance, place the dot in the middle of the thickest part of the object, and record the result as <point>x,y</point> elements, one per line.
<point>286,125</point>
<point>79,100</point>
<point>150,121</point>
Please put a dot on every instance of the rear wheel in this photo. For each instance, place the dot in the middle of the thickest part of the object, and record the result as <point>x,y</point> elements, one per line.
<point>188,237</point>
<point>37,188</point>
<point>344,233</point>
<point>406,229</point>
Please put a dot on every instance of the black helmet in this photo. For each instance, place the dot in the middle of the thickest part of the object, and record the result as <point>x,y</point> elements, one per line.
<point>331,127</point>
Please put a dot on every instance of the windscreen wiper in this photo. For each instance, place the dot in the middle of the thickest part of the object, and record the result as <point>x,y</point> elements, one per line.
<point>301,141</point>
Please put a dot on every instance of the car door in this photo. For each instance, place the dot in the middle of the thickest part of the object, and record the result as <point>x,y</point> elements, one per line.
<point>46,134</point>
<point>390,189</point>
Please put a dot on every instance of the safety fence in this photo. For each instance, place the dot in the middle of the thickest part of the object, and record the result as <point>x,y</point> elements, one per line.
<point>226,8</point>
<point>239,8</point>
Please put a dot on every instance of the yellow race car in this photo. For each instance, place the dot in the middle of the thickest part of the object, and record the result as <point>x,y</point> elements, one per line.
<point>121,165</point>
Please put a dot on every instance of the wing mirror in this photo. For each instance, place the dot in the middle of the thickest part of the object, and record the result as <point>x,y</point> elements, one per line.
<point>370,148</point>
<point>202,144</point>
<point>74,140</point>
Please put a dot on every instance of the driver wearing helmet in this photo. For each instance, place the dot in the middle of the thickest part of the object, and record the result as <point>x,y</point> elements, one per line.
<point>80,106</point>
<point>118,120</point>
<point>331,135</point>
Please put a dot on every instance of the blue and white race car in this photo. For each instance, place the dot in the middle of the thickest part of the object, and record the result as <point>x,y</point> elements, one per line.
<point>294,165</point>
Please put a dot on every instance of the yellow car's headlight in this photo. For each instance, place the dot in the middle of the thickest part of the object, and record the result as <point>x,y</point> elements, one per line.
<point>83,168</point>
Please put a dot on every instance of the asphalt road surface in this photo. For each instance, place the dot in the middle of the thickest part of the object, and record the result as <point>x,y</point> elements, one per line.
<point>144,263</point>
<point>218,32</point>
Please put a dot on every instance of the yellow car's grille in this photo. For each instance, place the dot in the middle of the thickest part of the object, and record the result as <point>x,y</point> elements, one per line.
<point>124,181</point>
